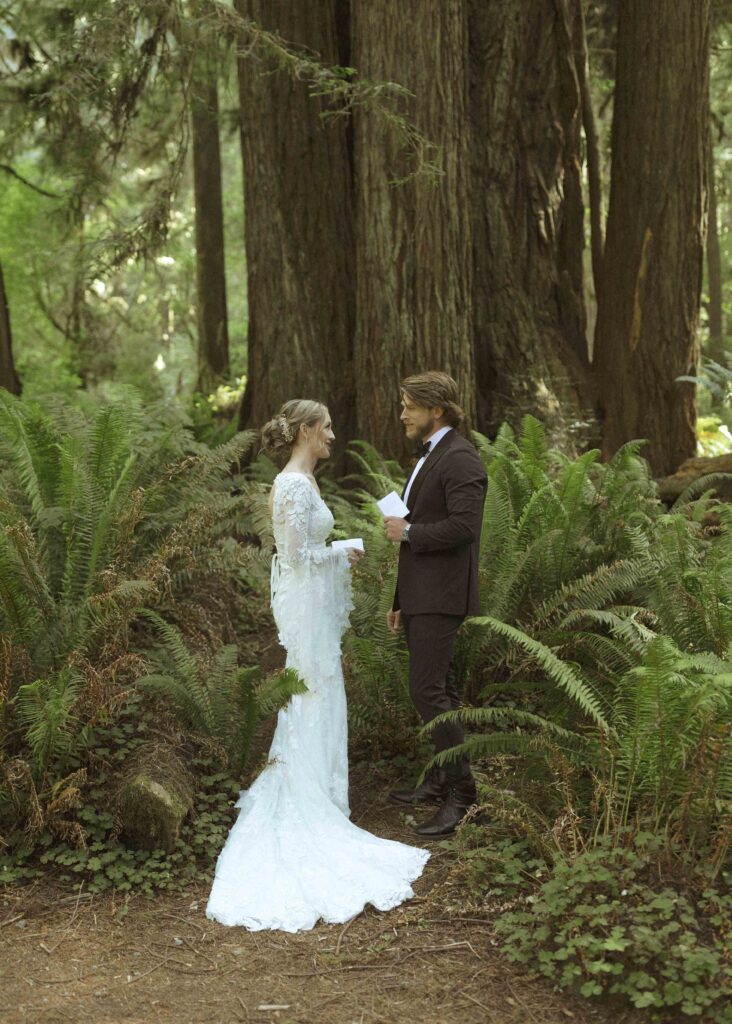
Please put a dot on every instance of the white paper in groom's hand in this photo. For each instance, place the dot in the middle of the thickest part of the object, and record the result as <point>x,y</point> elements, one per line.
<point>392,505</point>
<point>354,542</point>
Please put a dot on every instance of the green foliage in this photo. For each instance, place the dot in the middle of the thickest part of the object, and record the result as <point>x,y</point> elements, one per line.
<point>381,715</point>
<point>97,513</point>
<point>103,514</point>
<point>45,710</point>
<point>103,862</point>
<point>605,657</point>
<point>217,698</point>
<point>606,924</point>
<point>89,848</point>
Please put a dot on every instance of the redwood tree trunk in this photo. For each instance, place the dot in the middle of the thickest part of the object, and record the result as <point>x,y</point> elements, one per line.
<point>298,210</point>
<point>648,305</point>
<point>8,376</point>
<point>213,331</point>
<point>525,106</point>
<point>413,239</point>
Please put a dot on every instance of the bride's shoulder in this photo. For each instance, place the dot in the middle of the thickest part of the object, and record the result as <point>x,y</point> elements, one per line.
<point>291,484</point>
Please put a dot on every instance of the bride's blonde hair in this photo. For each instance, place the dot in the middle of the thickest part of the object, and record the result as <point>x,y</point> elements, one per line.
<point>281,432</point>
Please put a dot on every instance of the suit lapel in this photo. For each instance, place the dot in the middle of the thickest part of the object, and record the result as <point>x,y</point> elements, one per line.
<point>429,464</point>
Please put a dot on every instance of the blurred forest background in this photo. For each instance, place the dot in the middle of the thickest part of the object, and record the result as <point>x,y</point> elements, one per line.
<point>207,208</point>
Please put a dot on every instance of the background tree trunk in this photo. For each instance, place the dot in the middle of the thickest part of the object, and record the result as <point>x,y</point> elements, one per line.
<point>299,236</point>
<point>213,329</point>
<point>648,304</point>
<point>525,109</point>
<point>9,378</point>
<point>413,240</point>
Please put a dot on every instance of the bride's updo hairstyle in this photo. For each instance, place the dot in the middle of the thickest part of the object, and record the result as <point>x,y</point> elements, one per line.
<point>280,433</point>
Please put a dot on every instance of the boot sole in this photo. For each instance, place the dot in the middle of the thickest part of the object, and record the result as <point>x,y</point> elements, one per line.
<point>415,803</point>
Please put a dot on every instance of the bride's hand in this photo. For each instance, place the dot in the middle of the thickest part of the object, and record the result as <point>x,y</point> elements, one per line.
<point>354,555</point>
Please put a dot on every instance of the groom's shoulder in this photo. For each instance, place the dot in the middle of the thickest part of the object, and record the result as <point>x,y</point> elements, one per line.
<point>464,451</point>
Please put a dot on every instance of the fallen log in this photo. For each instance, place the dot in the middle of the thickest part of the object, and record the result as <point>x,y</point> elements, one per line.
<point>707,472</point>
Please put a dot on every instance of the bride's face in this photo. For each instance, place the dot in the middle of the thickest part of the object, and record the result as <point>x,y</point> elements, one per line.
<point>320,437</point>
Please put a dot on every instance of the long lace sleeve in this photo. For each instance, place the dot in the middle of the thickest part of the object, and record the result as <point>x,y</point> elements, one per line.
<point>311,582</point>
<point>292,509</point>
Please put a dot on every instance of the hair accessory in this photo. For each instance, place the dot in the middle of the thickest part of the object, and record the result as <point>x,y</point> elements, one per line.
<point>285,428</point>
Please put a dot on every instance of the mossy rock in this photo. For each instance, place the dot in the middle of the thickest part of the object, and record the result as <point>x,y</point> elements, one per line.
<point>154,799</point>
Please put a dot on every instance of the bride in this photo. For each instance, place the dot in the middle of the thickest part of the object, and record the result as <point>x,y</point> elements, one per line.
<point>292,856</point>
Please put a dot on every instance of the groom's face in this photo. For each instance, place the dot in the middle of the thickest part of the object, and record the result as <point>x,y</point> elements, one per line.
<point>419,422</point>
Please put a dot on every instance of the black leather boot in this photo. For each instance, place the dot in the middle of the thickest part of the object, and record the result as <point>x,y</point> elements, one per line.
<point>460,798</point>
<point>432,791</point>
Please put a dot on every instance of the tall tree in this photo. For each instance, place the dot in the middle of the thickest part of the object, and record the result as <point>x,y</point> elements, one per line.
<point>525,108</point>
<point>8,376</point>
<point>413,237</point>
<point>299,236</point>
<point>213,329</point>
<point>648,304</point>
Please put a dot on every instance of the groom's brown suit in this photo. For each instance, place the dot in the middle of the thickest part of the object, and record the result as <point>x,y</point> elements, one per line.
<point>437,581</point>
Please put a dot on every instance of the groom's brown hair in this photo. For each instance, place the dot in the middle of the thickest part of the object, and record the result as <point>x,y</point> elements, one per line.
<point>435,388</point>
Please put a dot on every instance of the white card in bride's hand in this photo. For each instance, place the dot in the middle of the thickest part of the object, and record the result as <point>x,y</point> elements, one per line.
<point>392,505</point>
<point>354,542</point>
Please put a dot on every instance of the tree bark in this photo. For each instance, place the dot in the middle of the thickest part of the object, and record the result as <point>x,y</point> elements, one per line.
<point>213,330</point>
<point>299,235</point>
<point>525,108</point>
<point>714,272</point>
<point>648,304</point>
<point>413,239</point>
<point>9,378</point>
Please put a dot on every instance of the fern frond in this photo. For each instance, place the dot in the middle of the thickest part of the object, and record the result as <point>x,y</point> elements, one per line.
<point>566,678</point>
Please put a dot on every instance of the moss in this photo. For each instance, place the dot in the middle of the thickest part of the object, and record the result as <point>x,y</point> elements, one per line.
<point>154,798</point>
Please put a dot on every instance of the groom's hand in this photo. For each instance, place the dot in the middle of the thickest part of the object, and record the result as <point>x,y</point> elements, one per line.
<point>393,527</point>
<point>394,621</point>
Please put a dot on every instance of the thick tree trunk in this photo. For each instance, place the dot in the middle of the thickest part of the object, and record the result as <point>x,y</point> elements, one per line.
<point>9,378</point>
<point>299,241</point>
<point>213,331</point>
<point>525,104</point>
<point>649,300</point>
<point>714,272</point>
<point>413,238</point>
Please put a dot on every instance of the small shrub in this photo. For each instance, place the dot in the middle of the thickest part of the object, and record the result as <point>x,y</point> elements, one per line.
<point>608,923</point>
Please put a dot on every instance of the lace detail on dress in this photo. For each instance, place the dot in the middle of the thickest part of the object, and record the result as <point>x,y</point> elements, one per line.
<point>292,855</point>
<point>311,583</point>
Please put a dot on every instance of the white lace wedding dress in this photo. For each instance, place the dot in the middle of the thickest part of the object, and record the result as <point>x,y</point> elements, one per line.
<point>292,856</point>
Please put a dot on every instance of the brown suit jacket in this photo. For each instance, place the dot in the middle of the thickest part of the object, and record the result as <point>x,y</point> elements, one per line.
<point>438,566</point>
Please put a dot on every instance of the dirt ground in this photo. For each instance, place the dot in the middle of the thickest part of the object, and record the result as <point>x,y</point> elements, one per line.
<point>68,956</point>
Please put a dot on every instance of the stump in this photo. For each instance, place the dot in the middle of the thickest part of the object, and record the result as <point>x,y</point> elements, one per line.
<point>154,798</point>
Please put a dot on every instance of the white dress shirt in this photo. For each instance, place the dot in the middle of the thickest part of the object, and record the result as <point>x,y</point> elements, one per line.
<point>433,440</point>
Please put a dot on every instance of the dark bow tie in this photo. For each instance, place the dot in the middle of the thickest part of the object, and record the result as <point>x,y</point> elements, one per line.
<point>422,449</point>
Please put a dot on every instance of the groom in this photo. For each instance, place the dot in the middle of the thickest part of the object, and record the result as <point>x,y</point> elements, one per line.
<point>437,582</point>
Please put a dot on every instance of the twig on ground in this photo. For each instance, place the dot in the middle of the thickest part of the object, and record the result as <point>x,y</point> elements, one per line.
<point>438,949</point>
<point>10,920</point>
<point>474,1000</point>
<point>520,1002</point>
<point>333,970</point>
<point>198,952</point>
<point>343,932</point>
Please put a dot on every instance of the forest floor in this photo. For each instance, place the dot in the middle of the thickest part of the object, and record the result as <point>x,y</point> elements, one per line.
<point>71,956</point>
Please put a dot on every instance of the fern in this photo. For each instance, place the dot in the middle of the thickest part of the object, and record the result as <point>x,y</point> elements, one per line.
<point>218,699</point>
<point>45,710</point>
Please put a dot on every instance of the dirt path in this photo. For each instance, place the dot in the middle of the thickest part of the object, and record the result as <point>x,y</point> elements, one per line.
<point>71,957</point>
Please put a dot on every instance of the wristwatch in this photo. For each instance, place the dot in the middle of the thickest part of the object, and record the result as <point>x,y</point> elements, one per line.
<point>405,533</point>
